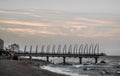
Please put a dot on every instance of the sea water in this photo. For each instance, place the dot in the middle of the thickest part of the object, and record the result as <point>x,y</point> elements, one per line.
<point>88,68</point>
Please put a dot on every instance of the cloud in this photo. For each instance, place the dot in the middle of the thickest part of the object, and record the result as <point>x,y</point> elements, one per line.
<point>93,23</point>
<point>17,22</point>
<point>96,22</point>
<point>95,35</point>
<point>93,20</point>
<point>79,27</point>
<point>29,31</point>
<point>94,28</point>
<point>29,13</point>
<point>57,23</point>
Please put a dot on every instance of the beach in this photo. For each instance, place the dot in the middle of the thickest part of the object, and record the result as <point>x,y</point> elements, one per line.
<point>24,68</point>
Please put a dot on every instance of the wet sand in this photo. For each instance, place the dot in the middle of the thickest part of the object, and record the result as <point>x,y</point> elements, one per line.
<point>24,68</point>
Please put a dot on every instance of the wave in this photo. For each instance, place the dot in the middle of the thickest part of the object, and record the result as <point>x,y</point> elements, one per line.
<point>62,70</point>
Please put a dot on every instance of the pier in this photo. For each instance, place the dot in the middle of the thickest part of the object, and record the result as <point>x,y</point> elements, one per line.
<point>76,51</point>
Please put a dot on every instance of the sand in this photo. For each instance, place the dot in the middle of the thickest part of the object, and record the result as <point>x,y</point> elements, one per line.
<point>24,68</point>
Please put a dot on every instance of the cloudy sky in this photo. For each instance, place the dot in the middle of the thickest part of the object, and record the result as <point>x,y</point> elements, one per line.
<point>37,22</point>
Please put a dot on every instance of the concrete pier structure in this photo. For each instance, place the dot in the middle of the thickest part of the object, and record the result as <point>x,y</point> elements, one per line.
<point>82,51</point>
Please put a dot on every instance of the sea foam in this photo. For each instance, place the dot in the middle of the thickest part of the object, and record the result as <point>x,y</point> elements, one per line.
<point>59,70</point>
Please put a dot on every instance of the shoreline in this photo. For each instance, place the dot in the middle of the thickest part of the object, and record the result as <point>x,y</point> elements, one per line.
<point>35,67</point>
<point>24,68</point>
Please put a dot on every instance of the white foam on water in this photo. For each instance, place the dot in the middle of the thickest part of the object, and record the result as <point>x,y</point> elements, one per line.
<point>59,70</point>
<point>77,66</point>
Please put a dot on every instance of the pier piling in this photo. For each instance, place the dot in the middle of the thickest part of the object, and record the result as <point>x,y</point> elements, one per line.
<point>30,57</point>
<point>64,60</point>
<point>47,58</point>
<point>80,60</point>
<point>96,60</point>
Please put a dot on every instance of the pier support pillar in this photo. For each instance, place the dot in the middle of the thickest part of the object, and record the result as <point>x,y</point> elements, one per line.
<point>64,61</point>
<point>80,60</point>
<point>30,57</point>
<point>47,58</point>
<point>96,60</point>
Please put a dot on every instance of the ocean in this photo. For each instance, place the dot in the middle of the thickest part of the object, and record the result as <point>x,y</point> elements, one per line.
<point>106,66</point>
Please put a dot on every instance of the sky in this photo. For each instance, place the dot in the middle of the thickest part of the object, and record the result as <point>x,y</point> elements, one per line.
<point>38,22</point>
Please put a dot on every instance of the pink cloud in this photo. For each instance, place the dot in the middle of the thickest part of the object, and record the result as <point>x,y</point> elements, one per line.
<point>100,33</point>
<point>29,13</point>
<point>77,27</point>
<point>94,20</point>
<point>32,31</point>
<point>16,22</point>
<point>95,35</point>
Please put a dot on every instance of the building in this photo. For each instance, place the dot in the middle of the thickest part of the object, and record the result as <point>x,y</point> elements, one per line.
<point>14,47</point>
<point>1,44</point>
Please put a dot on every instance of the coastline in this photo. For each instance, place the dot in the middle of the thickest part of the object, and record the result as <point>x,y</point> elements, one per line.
<point>24,68</point>
<point>35,67</point>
